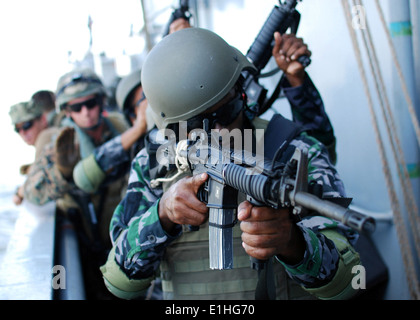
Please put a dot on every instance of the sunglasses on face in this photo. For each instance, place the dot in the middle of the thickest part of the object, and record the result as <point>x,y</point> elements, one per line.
<point>26,125</point>
<point>224,115</point>
<point>89,104</point>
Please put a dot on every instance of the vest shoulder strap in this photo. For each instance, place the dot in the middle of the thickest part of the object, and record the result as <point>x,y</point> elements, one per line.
<point>279,132</point>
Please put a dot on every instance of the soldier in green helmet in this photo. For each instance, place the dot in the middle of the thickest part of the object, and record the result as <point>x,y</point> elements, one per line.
<point>190,76</point>
<point>114,157</point>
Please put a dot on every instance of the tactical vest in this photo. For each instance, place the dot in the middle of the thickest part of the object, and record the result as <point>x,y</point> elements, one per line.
<point>185,268</point>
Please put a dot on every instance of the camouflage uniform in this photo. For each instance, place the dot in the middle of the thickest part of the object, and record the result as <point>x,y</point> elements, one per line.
<point>46,183</point>
<point>308,111</point>
<point>141,245</point>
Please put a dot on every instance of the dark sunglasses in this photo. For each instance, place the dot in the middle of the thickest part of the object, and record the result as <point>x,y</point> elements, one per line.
<point>90,104</point>
<point>224,115</point>
<point>26,125</point>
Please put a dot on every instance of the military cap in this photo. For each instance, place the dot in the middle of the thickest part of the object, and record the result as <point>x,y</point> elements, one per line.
<point>24,111</point>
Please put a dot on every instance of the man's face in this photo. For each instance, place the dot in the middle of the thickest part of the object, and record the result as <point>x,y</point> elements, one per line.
<point>85,111</point>
<point>29,130</point>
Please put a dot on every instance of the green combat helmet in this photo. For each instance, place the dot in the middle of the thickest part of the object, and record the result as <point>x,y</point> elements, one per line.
<point>76,84</point>
<point>189,71</point>
<point>24,111</point>
<point>124,89</point>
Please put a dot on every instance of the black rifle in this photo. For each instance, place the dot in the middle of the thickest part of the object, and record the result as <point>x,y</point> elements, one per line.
<point>281,18</point>
<point>181,12</point>
<point>265,182</point>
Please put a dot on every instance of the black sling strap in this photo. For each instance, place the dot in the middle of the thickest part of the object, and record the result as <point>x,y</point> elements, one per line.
<point>279,133</point>
<point>277,137</point>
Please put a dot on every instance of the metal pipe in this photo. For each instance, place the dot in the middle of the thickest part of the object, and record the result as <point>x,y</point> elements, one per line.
<point>401,31</point>
<point>415,19</point>
<point>149,44</point>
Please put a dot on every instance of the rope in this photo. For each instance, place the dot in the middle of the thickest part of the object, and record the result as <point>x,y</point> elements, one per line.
<point>180,162</point>
<point>401,232</point>
<point>410,105</point>
<point>397,151</point>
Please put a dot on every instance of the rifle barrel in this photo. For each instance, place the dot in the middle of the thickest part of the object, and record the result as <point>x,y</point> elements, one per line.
<point>348,217</point>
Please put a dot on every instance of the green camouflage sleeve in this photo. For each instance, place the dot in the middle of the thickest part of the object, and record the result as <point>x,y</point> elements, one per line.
<point>137,235</point>
<point>326,240</point>
<point>320,168</point>
<point>308,111</point>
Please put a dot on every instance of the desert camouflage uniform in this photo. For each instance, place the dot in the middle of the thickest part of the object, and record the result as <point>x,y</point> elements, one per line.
<point>45,182</point>
<point>141,245</point>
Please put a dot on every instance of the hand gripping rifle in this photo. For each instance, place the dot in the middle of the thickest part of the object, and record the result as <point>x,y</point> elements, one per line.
<point>265,182</point>
<point>181,12</point>
<point>281,18</point>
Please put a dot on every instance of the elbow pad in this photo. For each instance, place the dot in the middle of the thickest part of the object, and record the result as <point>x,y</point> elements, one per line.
<point>118,283</point>
<point>340,287</point>
<point>88,175</point>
